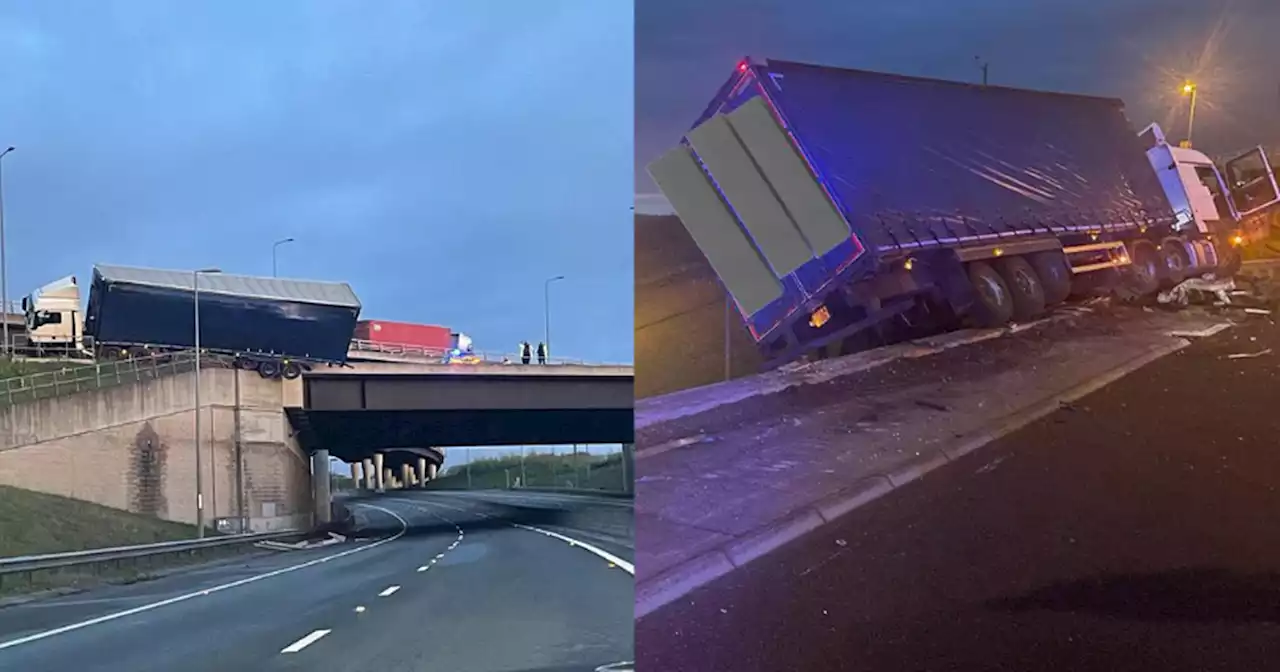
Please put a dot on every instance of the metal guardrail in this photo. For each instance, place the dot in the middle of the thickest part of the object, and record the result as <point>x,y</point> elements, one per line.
<point>30,564</point>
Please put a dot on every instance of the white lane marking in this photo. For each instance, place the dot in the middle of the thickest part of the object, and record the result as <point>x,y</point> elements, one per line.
<point>389,591</point>
<point>305,641</point>
<point>404,527</point>
<point>360,609</point>
<point>441,555</point>
<point>423,568</point>
<point>626,566</point>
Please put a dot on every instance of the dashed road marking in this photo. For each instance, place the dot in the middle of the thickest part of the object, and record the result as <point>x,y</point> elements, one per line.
<point>404,527</point>
<point>607,556</point>
<point>390,590</point>
<point>424,568</point>
<point>305,642</point>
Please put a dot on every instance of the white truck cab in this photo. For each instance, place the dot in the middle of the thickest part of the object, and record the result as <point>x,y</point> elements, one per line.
<point>1206,198</point>
<point>53,317</point>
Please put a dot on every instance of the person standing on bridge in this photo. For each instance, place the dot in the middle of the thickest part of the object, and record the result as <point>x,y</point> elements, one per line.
<point>542,352</point>
<point>526,353</point>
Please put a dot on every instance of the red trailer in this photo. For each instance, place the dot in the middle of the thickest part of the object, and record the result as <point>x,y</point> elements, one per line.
<point>425,336</point>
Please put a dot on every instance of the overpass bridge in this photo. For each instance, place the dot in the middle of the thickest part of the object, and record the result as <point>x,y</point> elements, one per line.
<point>394,420</point>
<point>126,428</point>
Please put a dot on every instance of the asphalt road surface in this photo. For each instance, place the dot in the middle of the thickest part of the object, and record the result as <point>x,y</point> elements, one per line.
<point>1134,530</point>
<point>457,582</point>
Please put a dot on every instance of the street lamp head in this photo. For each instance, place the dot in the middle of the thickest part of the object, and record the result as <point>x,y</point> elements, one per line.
<point>283,241</point>
<point>209,270</point>
<point>1188,88</point>
<point>10,149</point>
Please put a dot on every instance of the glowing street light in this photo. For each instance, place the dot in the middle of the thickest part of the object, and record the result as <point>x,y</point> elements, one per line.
<point>1189,89</point>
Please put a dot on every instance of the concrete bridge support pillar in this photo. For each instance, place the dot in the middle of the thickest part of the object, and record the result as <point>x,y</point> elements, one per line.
<point>431,472</point>
<point>422,471</point>
<point>320,486</point>
<point>355,475</point>
<point>388,478</point>
<point>367,466</point>
<point>629,468</point>
<point>404,475</point>
<point>379,472</point>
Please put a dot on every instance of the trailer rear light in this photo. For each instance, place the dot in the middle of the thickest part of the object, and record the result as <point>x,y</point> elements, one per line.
<point>909,264</point>
<point>742,66</point>
<point>1237,240</point>
<point>819,317</point>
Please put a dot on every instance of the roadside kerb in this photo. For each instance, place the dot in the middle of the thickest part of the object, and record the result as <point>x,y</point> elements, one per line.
<point>681,579</point>
<point>694,401</point>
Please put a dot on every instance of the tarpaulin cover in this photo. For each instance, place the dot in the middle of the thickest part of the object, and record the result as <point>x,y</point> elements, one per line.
<point>137,306</point>
<point>913,159</point>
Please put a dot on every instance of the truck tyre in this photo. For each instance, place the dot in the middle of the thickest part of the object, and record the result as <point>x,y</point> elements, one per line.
<point>1143,273</point>
<point>992,301</point>
<point>1054,273</point>
<point>1175,264</point>
<point>1024,287</point>
<point>269,369</point>
<point>291,371</point>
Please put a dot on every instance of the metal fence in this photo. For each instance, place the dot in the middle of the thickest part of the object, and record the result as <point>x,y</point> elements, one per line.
<point>438,355</point>
<point>68,375</point>
<point>544,468</point>
<point>79,376</point>
<point>99,559</point>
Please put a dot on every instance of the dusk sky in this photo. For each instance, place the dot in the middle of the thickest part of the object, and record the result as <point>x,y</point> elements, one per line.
<point>1138,50</point>
<point>443,157</point>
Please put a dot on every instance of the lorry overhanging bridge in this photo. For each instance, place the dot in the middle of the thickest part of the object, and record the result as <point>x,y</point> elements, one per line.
<point>372,407</point>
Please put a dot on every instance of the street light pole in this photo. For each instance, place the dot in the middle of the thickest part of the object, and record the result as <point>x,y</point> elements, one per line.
<point>4,266</point>
<point>275,246</point>
<point>195,291</point>
<point>546,311</point>
<point>1190,89</point>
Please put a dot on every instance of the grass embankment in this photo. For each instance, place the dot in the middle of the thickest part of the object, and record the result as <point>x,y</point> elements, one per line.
<point>35,523</point>
<point>586,472</point>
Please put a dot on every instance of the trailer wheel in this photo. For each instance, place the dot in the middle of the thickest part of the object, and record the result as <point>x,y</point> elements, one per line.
<point>291,371</point>
<point>1174,263</point>
<point>992,301</point>
<point>1143,272</point>
<point>1054,273</point>
<point>1024,287</point>
<point>269,369</point>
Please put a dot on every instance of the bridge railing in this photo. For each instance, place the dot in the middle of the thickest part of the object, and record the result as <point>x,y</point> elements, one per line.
<point>79,376</point>
<point>437,355</point>
<point>96,559</point>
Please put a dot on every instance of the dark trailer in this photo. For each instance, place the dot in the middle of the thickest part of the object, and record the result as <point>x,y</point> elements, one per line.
<point>269,324</point>
<point>829,200</point>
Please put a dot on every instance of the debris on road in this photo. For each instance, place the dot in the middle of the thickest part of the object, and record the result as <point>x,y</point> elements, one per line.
<point>932,404</point>
<point>1202,333</point>
<point>1249,355</point>
<point>1199,289</point>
